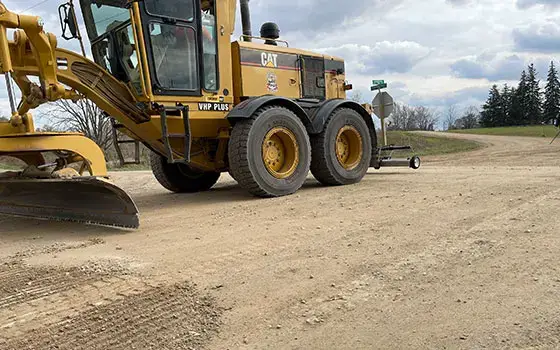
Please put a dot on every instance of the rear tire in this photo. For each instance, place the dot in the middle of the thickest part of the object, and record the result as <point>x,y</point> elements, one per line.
<point>270,153</point>
<point>181,178</point>
<point>342,152</point>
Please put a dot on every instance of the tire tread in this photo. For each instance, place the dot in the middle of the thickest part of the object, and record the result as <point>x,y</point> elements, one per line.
<point>320,165</point>
<point>171,179</point>
<point>239,147</point>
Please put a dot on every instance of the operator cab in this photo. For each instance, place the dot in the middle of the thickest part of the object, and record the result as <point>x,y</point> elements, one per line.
<point>179,37</point>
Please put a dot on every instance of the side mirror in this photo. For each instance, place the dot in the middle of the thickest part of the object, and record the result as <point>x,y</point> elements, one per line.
<point>68,23</point>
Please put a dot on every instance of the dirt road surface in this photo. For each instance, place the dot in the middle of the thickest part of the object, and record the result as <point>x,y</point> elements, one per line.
<point>461,254</point>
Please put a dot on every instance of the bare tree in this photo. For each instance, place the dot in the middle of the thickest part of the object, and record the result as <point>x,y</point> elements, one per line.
<point>451,117</point>
<point>84,117</point>
<point>401,118</point>
<point>412,118</point>
<point>469,120</point>
<point>357,96</point>
<point>425,119</point>
<point>47,128</point>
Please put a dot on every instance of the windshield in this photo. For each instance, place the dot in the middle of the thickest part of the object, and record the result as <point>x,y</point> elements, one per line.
<point>107,17</point>
<point>101,16</point>
<point>112,37</point>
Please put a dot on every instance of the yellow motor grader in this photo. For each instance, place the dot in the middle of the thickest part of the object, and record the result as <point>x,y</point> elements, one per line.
<point>170,77</point>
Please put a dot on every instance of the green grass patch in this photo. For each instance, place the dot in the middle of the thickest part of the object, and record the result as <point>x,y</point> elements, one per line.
<point>529,131</point>
<point>429,145</point>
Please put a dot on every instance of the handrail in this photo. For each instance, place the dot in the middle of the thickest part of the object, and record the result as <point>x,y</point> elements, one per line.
<point>264,39</point>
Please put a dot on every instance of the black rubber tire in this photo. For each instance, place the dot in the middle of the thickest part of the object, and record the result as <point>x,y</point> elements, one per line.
<point>245,153</point>
<point>325,166</point>
<point>231,174</point>
<point>181,178</point>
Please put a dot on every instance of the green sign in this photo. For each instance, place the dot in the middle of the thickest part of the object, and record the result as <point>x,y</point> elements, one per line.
<point>378,86</point>
<point>378,82</point>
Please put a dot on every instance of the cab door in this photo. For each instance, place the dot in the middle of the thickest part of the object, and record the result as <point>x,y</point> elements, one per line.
<point>172,35</point>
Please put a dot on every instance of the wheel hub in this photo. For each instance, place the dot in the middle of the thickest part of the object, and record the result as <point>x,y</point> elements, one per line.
<point>349,148</point>
<point>280,152</point>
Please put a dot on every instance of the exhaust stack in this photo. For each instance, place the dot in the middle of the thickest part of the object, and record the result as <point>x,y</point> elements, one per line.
<point>246,20</point>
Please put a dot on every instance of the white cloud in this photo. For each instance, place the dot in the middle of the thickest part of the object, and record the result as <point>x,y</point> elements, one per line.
<point>380,58</point>
<point>539,37</point>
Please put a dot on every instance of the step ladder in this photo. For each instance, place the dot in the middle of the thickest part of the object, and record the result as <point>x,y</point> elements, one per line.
<point>117,142</point>
<point>166,136</point>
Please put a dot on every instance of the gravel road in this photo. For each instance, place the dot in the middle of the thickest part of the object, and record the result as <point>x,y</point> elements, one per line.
<point>462,254</point>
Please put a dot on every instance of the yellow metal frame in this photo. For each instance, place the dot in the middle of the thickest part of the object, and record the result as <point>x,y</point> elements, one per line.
<point>33,52</point>
<point>80,148</point>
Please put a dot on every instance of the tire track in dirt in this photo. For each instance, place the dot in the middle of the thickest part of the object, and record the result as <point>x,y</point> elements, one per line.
<point>20,284</point>
<point>21,318</point>
<point>164,317</point>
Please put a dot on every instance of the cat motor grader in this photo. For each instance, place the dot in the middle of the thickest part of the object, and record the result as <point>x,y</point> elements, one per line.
<point>170,77</point>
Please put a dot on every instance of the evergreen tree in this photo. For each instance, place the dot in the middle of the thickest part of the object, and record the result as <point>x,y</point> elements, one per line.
<point>518,111</point>
<point>552,95</point>
<point>492,109</point>
<point>507,99</point>
<point>512,105</point>
<point>534,97</point>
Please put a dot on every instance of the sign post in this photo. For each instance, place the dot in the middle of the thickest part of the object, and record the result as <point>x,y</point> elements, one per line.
<point>382,116</point>
<point>383,105</point>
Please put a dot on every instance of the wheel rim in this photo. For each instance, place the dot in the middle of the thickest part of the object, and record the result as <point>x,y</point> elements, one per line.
<point>349,148</point>
<point>280,152</point>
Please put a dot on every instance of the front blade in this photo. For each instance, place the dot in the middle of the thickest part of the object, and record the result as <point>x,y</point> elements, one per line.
<point>86,200</point>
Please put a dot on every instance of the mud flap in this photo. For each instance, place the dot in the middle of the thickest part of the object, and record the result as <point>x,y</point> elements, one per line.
<point>87,200</point>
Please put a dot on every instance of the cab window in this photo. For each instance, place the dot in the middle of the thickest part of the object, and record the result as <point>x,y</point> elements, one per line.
<point>179,9</point>
<point>174,55</point>
<point>107,17</point>
<point>182,42</point>
<point>209,46</point>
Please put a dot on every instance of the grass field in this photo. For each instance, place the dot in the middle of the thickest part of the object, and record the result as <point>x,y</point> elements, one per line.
<point>530,131</point>
<point>427,145</point>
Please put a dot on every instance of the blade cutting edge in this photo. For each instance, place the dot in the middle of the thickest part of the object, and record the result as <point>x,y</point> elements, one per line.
<point>88,200</point>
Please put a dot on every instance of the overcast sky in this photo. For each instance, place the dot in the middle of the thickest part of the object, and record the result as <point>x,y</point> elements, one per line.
<point>431,52</point>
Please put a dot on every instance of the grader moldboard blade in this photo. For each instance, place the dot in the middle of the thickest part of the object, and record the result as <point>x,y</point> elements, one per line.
<point>87,200</point>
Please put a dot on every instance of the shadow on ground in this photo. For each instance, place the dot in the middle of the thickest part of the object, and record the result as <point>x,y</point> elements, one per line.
<point>158,198</point>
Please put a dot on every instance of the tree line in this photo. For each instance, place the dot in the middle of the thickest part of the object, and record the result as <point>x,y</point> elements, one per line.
<point>405,117</point>
<point>525,104</point>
